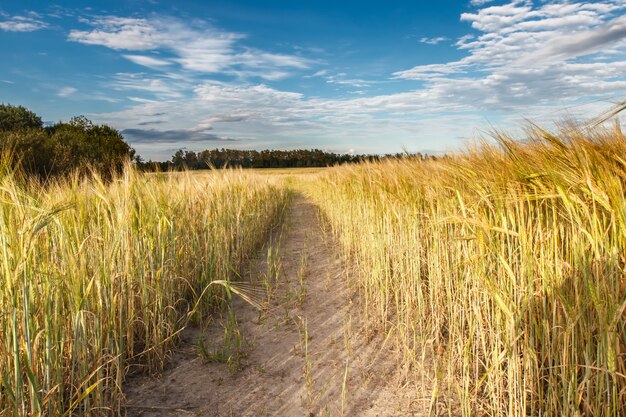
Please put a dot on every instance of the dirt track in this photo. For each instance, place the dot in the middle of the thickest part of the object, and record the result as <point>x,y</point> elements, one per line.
<point>338,370</point>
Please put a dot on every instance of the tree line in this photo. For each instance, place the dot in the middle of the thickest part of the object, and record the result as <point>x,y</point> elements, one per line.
<point>80,145</point>
<point>234,158</point>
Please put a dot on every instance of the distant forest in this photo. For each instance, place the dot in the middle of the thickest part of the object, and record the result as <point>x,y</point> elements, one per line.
<point>79,145</point>
<point>220,158</point>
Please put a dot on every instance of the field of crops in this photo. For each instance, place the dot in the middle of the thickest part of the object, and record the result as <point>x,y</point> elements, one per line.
<point>98,276</point>
<point>502,270</point>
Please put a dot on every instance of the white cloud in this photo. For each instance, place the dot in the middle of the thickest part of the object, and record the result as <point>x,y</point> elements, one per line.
<point>162,87</point>
<point>141,99</point>
<point>29,23</point>
<point>280,119</point>
<point>234,116</point>
<point>580,43</point>
<point>268,75</point>
<point>520,59</point>
<point>120,33</point>
<point>148,61</point>
<point>433,41</point>
<point>248,96</point>
<point>494,18</point>
<point>424,72</point>
<point>319,73</point>
<point>342,79</point>
<point>254,58</point>
<point>527,55</point>
<point>198,47</point>
<point>66,91</point>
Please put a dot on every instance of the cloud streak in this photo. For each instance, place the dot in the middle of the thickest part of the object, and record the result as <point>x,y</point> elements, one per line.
<point>573,45</point>
<point>148,61</point>
<point>434,41</point>
<point>29,23</point>
<point>66,91</point>
<point>199,47</point>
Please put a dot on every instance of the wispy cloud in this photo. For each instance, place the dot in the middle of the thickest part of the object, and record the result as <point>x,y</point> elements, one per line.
<point>66,91</point>
<point>196,47</point>
<point>148,61</point>
<point>585,42</point>
<point>426,72</point>
<point>120,33</point>
<point>319,73</point>
<point>29,23</point>
<point>434,41</point>
<point>232,117</point>
<point>159,86</point>
<point>249,96</point>
<point>340,78</point>
<point>343,79</point>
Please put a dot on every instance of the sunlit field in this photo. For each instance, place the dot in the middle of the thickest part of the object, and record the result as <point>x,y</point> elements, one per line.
<point>501,270</point>
<point>272,172</point>
<point>313,208</point>
<point>100,276</point>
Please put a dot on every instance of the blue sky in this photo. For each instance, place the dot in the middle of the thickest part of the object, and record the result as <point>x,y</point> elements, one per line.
<point>344,76</point>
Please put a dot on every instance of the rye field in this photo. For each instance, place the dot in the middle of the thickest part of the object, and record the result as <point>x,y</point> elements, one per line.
<point>493,281</point>
<point>506,263</point>
<point>96,276</point>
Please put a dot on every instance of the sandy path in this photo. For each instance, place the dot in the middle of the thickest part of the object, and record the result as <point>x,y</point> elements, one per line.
<point>340,370</point>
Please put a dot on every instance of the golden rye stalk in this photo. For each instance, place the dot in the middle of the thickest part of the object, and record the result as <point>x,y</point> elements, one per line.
<point>97,276</point>
<point>502,269</point>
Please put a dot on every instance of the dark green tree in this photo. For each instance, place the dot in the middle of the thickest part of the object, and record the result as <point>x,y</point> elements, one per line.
<point>30,149</point>
<point>14,118</point>
<point>80,144</point>
<point>62,148</point>
<point>178,160</point>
